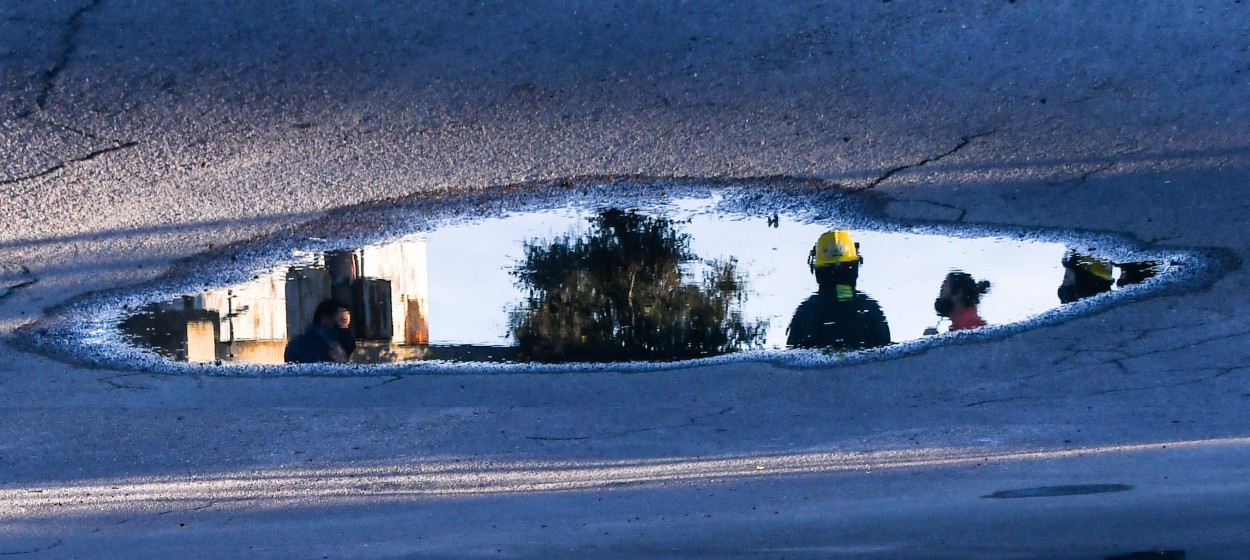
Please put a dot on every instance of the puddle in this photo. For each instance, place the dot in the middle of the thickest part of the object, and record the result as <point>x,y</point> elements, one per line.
<point>673,281</point>
<point>1055,491</point>
<point>624,272</point>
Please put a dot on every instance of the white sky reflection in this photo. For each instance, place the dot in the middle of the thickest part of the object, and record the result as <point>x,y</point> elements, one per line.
<point>470,288</point>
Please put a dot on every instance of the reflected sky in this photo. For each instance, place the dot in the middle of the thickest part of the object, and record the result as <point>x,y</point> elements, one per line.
<point>901,271</point>
<point>450,293</point>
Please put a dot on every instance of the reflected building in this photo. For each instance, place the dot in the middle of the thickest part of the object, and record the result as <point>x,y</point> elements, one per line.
<point>386,288</point>
<point>179,329</point>
<point>403,267</point>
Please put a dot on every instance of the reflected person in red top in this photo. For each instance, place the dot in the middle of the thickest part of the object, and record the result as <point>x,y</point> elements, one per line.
<point>958,300</point>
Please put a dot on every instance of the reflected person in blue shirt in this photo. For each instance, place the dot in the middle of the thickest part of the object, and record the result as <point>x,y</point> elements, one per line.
<point>328,339</point>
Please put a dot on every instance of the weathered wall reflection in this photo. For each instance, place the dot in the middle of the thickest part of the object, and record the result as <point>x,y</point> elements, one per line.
<point>385,286</point>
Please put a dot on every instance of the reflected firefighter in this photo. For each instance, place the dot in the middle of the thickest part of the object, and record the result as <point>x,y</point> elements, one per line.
<point>838,316</point>
<point>1083,276</point>
<point>1137,272</point>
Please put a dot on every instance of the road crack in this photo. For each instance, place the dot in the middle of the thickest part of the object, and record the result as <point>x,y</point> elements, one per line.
<point>75,130</point>
<point>88,157</point>
<point>690,422</point>
<point>113,381</point>
<point>993,401</point>
<point>962,211</point>
<point>34,550</point>
<point>8,290</point>
<point>1086,175</point>
<point>1220,372</point>
<point>963,143</point>
<point>69,46</point>
<point>388,381</point>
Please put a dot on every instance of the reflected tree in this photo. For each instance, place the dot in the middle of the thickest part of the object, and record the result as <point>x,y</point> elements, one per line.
<point>618,293</point>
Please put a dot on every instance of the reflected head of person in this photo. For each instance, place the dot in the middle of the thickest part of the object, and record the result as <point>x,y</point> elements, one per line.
<point>1083,276</point>
<point>328,338</point>
<point>958,299</point>
<point>837,316</point>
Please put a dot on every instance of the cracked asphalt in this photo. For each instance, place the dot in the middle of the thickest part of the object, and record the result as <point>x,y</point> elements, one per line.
<point>134,135</point>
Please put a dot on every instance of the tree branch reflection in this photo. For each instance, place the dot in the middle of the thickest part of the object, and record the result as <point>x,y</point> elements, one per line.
<point>620,292</point>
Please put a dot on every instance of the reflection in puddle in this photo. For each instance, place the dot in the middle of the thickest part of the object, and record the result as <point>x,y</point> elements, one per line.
<point>619,293</point>
<point>1085,275</point>
<point>678,280</point>
<point>838,316</point>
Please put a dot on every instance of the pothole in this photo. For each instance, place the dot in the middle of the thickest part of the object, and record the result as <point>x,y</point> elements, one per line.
<point>619,274</point>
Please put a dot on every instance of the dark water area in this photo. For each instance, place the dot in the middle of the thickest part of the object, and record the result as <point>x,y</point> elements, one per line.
<point>670,281</point>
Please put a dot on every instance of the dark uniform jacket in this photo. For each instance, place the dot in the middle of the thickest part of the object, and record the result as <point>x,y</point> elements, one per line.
<point>320,343</point>
<point>841,318</point>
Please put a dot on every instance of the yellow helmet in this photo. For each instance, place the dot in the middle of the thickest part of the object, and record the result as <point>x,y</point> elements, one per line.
<point>1097,267</point>
<point>834,247</point>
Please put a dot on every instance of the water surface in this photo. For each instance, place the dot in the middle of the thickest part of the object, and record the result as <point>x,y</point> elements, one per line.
<point>671,280</point>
